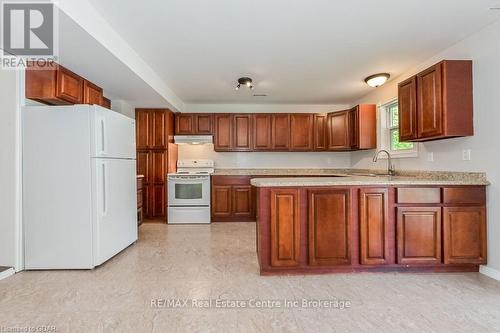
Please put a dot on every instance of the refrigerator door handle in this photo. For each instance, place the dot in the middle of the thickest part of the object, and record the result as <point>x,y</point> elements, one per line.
<point>104,189</point>
<point>103,136</point>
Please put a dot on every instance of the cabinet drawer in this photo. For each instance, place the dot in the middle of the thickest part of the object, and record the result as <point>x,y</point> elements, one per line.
<point>139,184</point>
<point>419,195</point>
<point>231,180</point>
<point>464,195</point>
<point>139,199</point>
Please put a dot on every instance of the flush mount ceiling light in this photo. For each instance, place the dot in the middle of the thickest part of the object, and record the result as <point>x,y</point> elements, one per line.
<point>376,80</point>
<point>244,81</point>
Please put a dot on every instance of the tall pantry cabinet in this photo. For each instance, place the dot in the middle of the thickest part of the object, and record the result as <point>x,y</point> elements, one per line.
<point>156,156</point>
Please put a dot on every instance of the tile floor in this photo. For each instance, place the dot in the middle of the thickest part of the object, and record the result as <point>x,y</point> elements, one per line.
<point>219,262</point>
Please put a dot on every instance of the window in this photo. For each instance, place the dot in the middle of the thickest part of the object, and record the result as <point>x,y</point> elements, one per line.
<point>389,117</point>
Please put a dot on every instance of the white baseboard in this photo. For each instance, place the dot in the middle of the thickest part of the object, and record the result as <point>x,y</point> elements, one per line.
<point>8,272</point>
<point>491,272</point>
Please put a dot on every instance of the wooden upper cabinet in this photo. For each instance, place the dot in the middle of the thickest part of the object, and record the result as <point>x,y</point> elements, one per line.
<point>55,86</point>
<point>407,109</point>
<point>363,123</point>
<point>242,132</point>
<point>285,228</point>
<point>354,128</point>
<point>223,132</point>
<point>106,102</point>
<point>419,235</point>
<point>338,131</point>
<point>193,123</point>
<point>319,132</point>
<point>159,133</point>
<point>184,123</point>
<point>374,226</point>
<point>301,132</point>
<point>437,103</point>
<point>328,224</point>
<point>262,139</point>
<point>464,235</point>
<point>280,132</point>
<point>429,103</point>
<point>92,94</point>
<point>143,128</point>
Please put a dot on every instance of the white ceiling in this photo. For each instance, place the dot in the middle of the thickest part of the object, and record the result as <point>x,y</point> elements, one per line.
<point>297,51</point>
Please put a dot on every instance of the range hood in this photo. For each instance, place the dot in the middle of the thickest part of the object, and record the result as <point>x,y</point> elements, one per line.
<point>193,139</point>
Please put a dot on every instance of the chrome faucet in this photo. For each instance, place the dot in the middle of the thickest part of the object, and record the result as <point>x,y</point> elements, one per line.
<point>391,171</point>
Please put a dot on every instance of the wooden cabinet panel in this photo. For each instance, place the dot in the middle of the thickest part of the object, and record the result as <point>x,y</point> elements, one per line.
<point>242,134</point>
<point>465,195</point>
<point>203,124</point>
<point>419,235</point>
<point>106,102</point>
<point>280,132</point>
<point>429,102</point>
<point>407,109</point>
<point>374,226</point>
<point>159,133</point>
<point>158,166</point>
<point>285,228</point>
<point>69,86</point>
<point>92,94</point>
<point>329,221</point>
<point>221,200</point>
<point>338,131</point>
<point>142,129</point>
<point>223,135</point>
<point>419,195</point>
<point>184,123</point>
<point>144,165</point>
<point>242,203</point>
<point>157,202</point>
<point>354,128</point>
<point>464,235</point>
<point>301,131</point>
<point>320,132</point>
<point>262,139</point>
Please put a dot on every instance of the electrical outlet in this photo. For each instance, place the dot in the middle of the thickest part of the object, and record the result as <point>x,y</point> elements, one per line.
<point>466,155</point>
<point>430,157</point>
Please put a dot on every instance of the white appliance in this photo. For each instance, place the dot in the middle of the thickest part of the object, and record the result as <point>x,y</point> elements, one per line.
<point>189,192</point>
<point>193,139</point>
<point>79,186</point>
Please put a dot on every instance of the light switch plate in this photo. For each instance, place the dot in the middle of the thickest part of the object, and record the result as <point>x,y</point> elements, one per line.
<point>466,155</point>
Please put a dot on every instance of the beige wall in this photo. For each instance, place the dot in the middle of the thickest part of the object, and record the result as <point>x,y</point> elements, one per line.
<point>8,168</point>
<point>484,49</point>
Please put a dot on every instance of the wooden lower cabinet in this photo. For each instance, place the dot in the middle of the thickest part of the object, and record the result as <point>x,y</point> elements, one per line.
<point>464,235</point>
<point>242,203</point>
<point>285,228</point>
<point>232,199</point>
<point>221,201</point>
<point>419,235</point>
<point>328,224</point>
<point>374,226</point>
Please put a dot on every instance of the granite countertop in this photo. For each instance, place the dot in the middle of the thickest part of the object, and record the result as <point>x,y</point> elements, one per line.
<point>355,177</point>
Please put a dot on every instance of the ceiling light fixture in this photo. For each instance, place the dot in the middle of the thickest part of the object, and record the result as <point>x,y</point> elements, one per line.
<point>376,80</point>
<point>245,81</point>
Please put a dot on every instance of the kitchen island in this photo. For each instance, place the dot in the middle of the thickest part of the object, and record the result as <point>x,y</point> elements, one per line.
<point>419,222</point>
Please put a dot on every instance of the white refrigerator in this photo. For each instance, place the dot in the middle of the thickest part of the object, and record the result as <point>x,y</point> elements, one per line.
<point>79,185</point>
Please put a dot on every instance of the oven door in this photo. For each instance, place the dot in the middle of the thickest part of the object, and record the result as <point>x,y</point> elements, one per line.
<point>188,191</point>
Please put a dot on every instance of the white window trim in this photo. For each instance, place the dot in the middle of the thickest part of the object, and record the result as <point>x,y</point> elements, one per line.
<point>384,141</point>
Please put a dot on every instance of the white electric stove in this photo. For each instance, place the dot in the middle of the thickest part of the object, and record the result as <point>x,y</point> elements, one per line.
<point>189,192</point>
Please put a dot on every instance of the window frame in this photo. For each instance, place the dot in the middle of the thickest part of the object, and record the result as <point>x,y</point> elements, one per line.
<point>386,132</point>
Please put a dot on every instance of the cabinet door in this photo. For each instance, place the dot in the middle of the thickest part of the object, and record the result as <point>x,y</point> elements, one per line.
<point>159,132</point>
<point>157,202</point>
<point>464,235</point>
<point>374,226</point>
<point>320,132</point>
<point>301,132</point>
<point>419,235</point>
<point>223,135</point>
<point>142,128</point>
<point>158,171</point>
<point>285,228</point>
<point>203,124</point>
<point>221,200</point>
<point>407,109</point>
<point>354,128</point>
<point>144,165</point>
<point>184,123</point>
<point>338,131</point>
<point>280,132</point>
<point>242,134</point>
<point>69,86</point>
<point>242,201</point>
<point>92,94</point>
<point>262,132</point>
<point>429,103</point>
<point>329,217</point>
